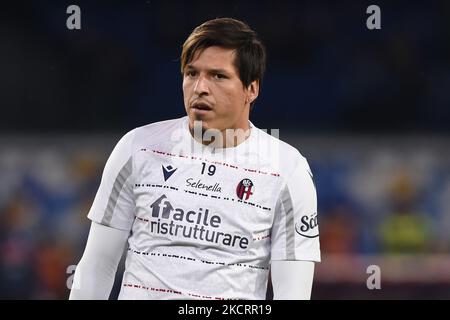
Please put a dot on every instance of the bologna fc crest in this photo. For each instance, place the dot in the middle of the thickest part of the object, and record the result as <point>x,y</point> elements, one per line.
<point>244,188</point>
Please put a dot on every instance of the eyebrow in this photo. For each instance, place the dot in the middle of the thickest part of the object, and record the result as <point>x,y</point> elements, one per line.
<point>190,67</point>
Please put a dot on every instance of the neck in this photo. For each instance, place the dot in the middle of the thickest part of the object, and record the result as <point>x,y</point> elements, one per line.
<point>225,138</point>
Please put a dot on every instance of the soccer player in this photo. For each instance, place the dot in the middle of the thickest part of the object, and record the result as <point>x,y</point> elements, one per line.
<point>207,204</point>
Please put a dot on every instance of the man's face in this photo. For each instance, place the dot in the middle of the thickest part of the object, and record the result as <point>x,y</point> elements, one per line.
<point>213,92</point>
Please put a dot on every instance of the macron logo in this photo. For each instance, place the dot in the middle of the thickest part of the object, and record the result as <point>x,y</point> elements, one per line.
<point>168,171</point>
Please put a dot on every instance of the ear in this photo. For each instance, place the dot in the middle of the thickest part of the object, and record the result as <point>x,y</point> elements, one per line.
<point>252,92</point>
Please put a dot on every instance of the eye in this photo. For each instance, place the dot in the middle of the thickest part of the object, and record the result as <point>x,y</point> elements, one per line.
<point>191,73</point>
<point>219,76</point>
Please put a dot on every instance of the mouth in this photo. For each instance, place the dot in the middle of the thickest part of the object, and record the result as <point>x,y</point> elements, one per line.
<point>200,108</point>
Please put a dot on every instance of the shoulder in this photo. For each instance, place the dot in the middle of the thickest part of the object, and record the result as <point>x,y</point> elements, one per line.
<point>285,158</point>
<point>158,129</point>
<point>151,134</point>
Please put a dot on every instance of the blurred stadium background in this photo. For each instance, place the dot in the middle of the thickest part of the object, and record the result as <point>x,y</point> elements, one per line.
<point>369,109</point>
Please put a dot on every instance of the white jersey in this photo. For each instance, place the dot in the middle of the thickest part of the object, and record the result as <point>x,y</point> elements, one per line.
<point>206,222</point>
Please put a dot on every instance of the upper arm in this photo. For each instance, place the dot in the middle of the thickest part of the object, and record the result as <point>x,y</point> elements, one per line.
<point>114,204</point>
<point>295,231</point>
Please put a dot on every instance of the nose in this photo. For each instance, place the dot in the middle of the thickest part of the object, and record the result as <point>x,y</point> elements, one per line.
<point>201,86</point>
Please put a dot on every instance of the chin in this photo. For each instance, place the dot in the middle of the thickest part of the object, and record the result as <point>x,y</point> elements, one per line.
<point>196,117</point>
<point>193,118</point>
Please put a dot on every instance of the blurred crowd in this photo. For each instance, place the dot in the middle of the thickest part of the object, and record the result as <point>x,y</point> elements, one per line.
<point>385,201</point>
<point>45,193</point>
<point>371,201</point>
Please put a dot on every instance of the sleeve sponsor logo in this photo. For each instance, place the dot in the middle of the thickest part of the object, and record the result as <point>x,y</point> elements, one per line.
<point>308,226</point>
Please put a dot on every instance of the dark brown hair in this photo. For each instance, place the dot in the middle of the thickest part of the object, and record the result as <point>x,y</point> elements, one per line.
<point>231,34</point>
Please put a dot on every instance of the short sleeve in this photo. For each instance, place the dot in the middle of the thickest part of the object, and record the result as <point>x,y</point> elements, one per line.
<point>295,230</point>
<point>114,204</point>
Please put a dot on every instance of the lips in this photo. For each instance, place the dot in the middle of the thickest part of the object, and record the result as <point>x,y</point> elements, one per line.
<point>201,106</point>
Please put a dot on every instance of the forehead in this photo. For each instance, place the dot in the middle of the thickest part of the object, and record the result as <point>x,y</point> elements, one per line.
<point>214,58</point>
